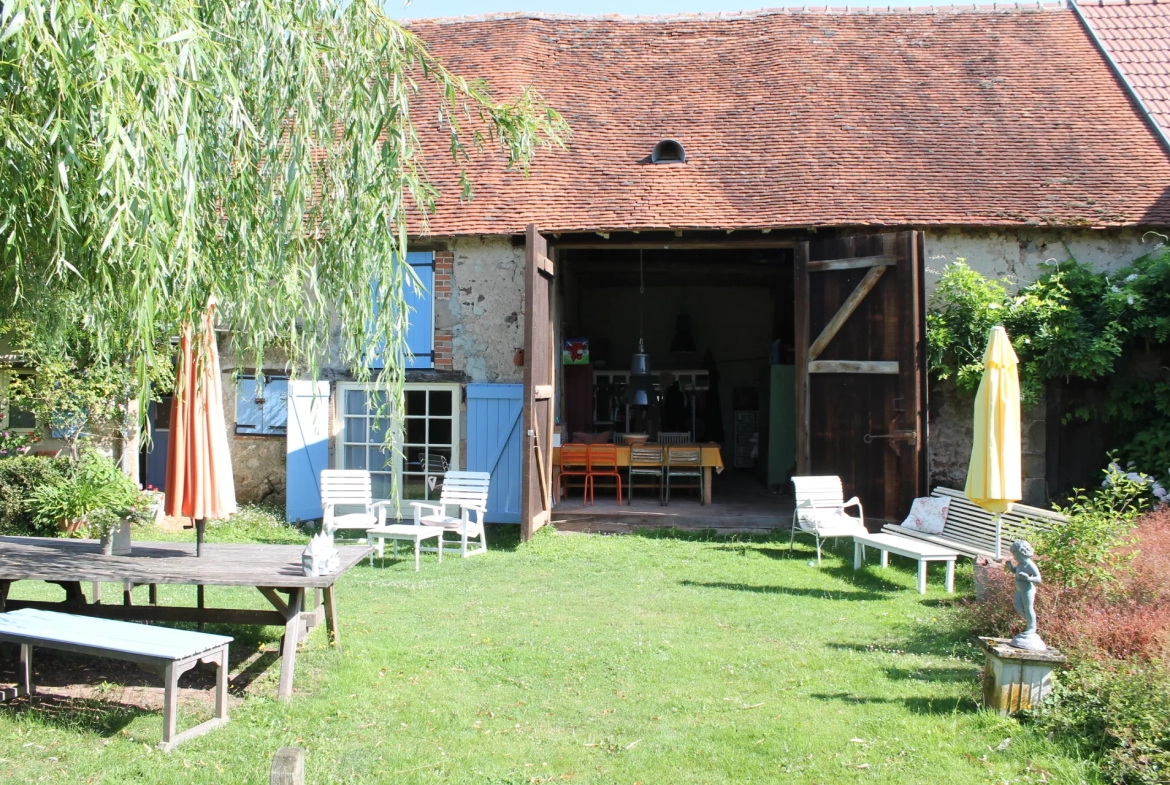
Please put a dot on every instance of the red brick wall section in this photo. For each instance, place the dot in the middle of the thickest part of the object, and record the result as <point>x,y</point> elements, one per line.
<point>444,270</point>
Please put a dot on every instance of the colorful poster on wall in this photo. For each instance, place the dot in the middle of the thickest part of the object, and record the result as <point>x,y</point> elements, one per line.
<point>575,351</point>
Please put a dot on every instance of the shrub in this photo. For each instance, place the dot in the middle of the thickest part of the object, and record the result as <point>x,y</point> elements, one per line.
<point>1089,550</point>
<point>19,477</point>
<point>1119,713</point>
<point>1125,618</point>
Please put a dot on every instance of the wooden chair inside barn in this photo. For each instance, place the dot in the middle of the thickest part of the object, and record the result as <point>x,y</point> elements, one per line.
<point>574,464</point>
<point>602,462</point>
<point>646,461</point>
<point>687,463</point>
<point>820,511</point>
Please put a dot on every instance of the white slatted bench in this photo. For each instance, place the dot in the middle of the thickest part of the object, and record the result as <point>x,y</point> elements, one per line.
<point>161,650</point>
<point>970,529</point>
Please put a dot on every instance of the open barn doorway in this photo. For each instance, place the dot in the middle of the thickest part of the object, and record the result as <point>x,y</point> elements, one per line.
<point>678,346</point>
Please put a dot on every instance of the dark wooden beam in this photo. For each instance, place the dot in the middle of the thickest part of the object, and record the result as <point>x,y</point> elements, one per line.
<point>802,297</point>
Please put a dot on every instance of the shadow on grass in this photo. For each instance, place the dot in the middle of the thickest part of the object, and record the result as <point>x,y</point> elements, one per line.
<point>82,715</point>
<point>916,705</point>
<point>931,673</point>
<point>730,541</point>
<point>820,594</point>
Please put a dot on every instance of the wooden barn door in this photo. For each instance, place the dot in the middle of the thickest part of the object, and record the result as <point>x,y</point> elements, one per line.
<point>539,385</point>
<point>859,366</point>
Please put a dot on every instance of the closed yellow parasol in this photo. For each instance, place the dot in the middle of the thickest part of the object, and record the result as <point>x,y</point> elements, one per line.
<point>994,478</point>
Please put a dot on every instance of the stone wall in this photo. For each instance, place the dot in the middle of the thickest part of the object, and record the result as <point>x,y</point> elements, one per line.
<point>485,317</point>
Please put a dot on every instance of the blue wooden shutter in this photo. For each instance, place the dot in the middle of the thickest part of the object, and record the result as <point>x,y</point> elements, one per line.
<point>307,451</point>
<point>420,331</point>
<point>494,445</point>
<point>275,406</point>
<point>420,328</point>
<point>248,414</point>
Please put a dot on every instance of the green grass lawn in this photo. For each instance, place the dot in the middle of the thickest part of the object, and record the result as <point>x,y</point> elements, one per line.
<point>585,659</point>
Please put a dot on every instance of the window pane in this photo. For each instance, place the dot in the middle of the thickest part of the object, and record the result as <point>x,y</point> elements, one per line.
<point>19,418</point>
<point>440,432</point>
<point>355,429</point>
<point>355,457</point>
<point>416,430</point>
<point>378,430</point>
<point>441,403</point>
<point>381,460</point>
<point>414,486</point>
<point>416,403</point>
<point>380,485</point>
<point>355,402</point>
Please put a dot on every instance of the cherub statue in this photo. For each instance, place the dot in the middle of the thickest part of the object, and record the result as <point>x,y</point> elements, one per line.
<point>1027,576</point>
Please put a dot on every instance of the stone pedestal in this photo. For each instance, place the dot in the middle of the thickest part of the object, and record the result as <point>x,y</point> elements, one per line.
<point>1016,679</point>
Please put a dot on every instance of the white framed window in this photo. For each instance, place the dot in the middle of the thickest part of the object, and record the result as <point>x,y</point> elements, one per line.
<point>428,444</point>
<point>11,417</point>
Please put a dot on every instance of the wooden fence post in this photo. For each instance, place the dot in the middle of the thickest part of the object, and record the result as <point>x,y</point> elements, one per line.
<point>288,767</point>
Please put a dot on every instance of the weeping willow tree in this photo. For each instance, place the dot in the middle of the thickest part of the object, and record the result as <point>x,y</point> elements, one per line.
<point>159,152</point>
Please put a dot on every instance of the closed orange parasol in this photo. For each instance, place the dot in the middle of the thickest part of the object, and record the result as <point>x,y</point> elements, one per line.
<point>199,465</point>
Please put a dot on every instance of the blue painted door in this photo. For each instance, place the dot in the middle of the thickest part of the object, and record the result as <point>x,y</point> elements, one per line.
<point>493,444</point>
<point>307,448</point>
<point>160,437</point>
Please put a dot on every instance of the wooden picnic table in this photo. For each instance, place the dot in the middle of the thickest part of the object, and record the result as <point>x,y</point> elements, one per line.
<point>271,569</point>
<point>711,459</point>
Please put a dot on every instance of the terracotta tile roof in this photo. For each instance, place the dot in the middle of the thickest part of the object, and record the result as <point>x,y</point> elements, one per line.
<point>1137,35</point>
<point>797,119</point>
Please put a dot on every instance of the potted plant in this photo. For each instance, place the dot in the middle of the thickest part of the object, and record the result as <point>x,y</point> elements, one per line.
<point>108,525</point>
<point>95,483</point>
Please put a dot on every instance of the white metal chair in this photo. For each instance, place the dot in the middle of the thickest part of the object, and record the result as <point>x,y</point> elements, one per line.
<point>349,488</point>
<point>469,492</point>
<point>674,437</point>
<point>820,511</point>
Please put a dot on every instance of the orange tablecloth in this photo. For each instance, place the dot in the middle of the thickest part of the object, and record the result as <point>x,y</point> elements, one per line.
<point>712,456</point>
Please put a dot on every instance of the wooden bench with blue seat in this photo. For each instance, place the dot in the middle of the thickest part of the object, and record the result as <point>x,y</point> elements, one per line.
<point>167,652</point>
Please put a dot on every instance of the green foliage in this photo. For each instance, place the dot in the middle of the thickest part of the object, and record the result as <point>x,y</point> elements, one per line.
<point>95,483</point>
<point>19,477</point>
<point>1072,322</point>
<point>1088,551</point>
<point>159,152</point>
<point>14,444</point>
<point>1117,713</point>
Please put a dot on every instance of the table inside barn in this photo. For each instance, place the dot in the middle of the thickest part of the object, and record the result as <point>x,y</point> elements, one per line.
<point>274,570</point>
<point>710,458</point>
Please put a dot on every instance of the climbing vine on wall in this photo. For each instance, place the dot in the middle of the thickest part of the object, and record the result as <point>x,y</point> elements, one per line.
<point>1073,322</point>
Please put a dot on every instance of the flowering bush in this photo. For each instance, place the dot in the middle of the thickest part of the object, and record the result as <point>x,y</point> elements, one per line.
<point>16,443</point>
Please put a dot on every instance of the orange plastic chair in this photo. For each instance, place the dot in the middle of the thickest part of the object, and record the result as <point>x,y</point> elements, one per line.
<point>574,463</point>
<point>603,462</point>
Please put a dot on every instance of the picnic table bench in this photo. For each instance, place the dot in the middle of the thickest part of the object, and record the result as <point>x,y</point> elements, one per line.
<point>166,652</point>
<point>922,552</point>
<point>273,570</point>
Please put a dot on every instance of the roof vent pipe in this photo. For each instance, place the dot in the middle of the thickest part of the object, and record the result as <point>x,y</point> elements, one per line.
<point>668,151</point>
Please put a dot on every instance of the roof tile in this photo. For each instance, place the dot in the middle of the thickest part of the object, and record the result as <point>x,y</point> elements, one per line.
<point>801,119</point>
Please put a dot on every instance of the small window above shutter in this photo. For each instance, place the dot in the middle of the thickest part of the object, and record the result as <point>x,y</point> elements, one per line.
<point>248,414</point>
<point>420,332</point>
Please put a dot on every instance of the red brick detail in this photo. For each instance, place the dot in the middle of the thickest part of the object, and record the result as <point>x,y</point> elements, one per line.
<point>444,273</point>
<point>444,357</point>
<point>987,116</point>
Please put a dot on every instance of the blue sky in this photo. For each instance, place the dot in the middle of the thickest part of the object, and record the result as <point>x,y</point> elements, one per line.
<point>422,9</point>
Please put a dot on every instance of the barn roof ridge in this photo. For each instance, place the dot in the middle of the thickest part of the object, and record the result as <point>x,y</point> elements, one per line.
<point>847,9</point>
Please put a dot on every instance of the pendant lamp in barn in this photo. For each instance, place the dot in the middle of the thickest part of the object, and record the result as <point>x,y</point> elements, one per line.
<point>640,390</point>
